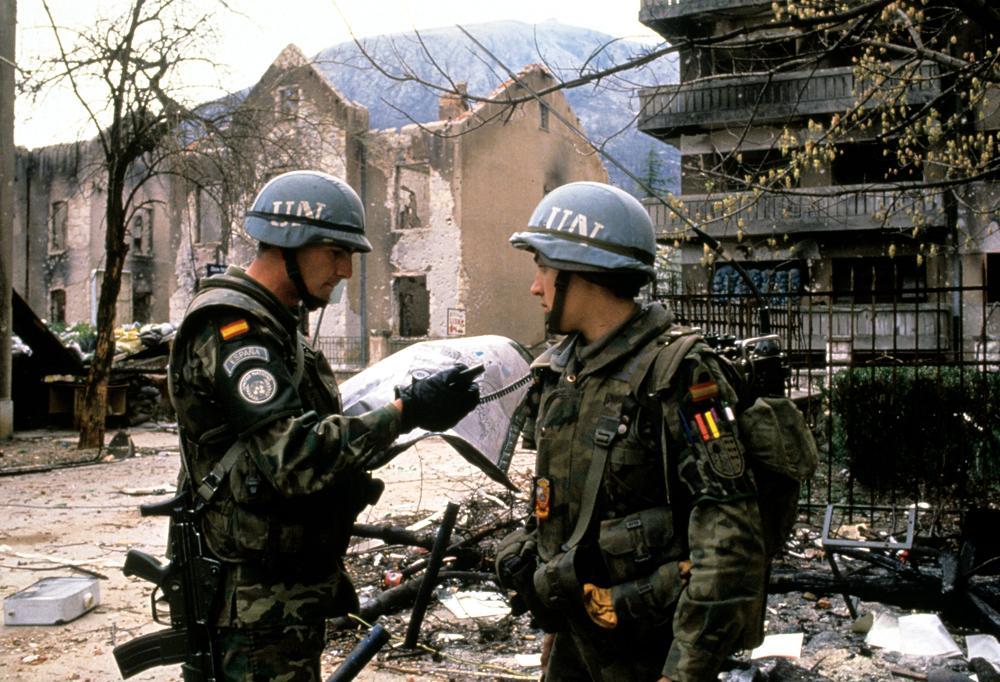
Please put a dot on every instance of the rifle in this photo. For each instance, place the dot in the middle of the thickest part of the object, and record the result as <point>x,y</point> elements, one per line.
<point>189,582</point>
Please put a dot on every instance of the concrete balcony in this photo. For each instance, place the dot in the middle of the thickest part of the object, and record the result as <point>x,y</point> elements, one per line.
<point>816,209</point>
<point>671,110</point>
<point>658,14</point>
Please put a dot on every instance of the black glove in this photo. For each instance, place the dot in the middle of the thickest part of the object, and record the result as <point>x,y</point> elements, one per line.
<point>438,402</point>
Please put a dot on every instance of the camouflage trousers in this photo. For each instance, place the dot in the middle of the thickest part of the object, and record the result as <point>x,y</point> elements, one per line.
<point>282,654</point>
<point>585,653</point>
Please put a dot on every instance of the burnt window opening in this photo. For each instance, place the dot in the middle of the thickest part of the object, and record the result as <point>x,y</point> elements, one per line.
<point>412,195</point>
<point>142,304</point>
<point>57,228</point>
<point>408,213</point>
<point>543,116</point>
<point>208,217</point>
<point>287,100</point>
<point>414,303</point>
<point>865,162</point>
<point>57,306</point>
<point>141,230</point>
<point>991,277</point>
<point>879,279</point>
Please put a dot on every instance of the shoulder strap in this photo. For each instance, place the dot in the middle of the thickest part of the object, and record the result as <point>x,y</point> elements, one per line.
<point>299,359</point>
<point>665,356</point>
<point>669,348</point>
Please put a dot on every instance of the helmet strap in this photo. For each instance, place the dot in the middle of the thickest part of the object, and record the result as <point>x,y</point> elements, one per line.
<point>292,269</point>
<point>558,299</point>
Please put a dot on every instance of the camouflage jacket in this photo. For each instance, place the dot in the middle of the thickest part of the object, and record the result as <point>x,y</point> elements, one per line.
<point>668,493</point>
<point>281,515</point>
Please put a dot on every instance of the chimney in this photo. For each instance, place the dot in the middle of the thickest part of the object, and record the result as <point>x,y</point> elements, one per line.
<point>452,105</point>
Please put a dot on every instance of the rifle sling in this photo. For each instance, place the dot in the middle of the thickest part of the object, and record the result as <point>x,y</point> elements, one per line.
<point>213,479</point>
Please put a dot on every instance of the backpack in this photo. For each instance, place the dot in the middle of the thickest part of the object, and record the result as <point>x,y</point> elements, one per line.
<point>778,445</point>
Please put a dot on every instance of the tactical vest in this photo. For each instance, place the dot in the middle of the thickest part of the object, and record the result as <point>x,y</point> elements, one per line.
<point>244,518</point>
<point>610,518</point>
<point>618,518</point>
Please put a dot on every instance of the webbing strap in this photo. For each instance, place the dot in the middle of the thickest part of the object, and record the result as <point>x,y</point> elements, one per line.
<point>214,478</point>
<point>604,435</point>
<point>299,360</point>
<point>608,424</point>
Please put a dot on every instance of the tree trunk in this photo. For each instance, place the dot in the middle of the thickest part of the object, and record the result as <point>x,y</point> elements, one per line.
<point>95,403</point>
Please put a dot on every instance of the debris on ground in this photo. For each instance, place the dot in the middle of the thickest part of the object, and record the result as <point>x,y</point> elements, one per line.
<point>84,519</point>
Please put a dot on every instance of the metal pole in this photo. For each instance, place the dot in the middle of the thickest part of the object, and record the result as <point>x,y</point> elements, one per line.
<point>431,574</point>
<point>8,23</point>
<point>360,655</point>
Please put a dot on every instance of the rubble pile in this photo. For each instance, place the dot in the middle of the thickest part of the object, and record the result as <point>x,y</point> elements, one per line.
<point>470,632</point>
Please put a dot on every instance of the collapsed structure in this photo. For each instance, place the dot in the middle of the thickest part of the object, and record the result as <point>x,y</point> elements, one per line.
<point>441,199</point>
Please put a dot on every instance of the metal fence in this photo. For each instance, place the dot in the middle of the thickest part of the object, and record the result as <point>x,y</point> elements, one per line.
<point>900,386</point>
<point>342,352</point>
<point>398,343</point>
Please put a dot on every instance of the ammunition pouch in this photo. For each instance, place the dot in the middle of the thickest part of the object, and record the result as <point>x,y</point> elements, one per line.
<point>556,583</point>
<point>515,556</point>
<point>516,564</point>
<point>640,557</point>
<point>649,600</point>
<point>634,545</point>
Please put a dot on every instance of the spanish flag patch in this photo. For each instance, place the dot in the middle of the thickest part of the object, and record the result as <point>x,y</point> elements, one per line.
<point>234,329</point>
<point>704,391</point>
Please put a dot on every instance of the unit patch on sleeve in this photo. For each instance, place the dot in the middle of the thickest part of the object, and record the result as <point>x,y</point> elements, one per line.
<point>234,329</point>
<point>725,457</point>
<point>257,386</point>
<point>246,353</point>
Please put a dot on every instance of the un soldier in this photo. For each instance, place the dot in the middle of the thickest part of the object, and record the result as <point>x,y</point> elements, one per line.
<point>279,472</point>
<point>643,558</point>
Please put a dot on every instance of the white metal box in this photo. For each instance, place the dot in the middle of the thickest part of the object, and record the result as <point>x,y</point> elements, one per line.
<point>52,601</point>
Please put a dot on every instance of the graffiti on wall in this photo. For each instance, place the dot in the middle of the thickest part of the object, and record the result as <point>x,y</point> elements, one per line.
<point>779,286</point>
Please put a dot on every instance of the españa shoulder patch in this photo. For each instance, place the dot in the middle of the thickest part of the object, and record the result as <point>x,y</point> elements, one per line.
<point>257,386</point>
<point>234,359</point>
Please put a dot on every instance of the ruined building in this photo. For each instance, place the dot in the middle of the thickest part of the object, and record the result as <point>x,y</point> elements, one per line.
<point>853,219</point>
<point>441,200</point>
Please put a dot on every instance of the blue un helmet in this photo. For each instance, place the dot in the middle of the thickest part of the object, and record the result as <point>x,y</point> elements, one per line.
<point>300,208</point>
<point>308,207</point>
<point>590,227</point>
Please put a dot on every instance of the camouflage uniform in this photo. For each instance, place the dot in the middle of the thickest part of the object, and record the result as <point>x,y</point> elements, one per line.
<point>281,516</point>
<point>665,496</point>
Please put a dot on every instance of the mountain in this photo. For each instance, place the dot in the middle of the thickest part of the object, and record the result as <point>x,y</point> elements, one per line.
<point>607,109</point>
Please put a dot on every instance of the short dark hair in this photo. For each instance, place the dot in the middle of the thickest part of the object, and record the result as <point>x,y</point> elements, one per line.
<point>622,283</point>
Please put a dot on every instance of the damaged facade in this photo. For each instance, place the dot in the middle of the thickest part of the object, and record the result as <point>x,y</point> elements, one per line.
<point>441,200</point>
<point>58,233</point>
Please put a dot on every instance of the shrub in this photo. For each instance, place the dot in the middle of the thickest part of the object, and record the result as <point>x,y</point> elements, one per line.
<point>928,432</point>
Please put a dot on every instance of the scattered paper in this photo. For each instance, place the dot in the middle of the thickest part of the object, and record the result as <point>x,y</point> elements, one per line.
<point>783,646</point>
<point>449,637</point>
<point>528,660</point>
<point>166,488</point>
<point>984,646</point>
<point>476,604</point>
<point>919,634</point>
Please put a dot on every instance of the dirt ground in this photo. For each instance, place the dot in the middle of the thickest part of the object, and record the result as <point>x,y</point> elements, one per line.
<point>86,516</point>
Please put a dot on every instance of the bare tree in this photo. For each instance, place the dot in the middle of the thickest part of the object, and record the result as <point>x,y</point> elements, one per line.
<point>125,72</point>
<point>132,75</point>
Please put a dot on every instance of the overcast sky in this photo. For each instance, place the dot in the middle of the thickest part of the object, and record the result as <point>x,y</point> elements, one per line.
<point>251,42</point>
